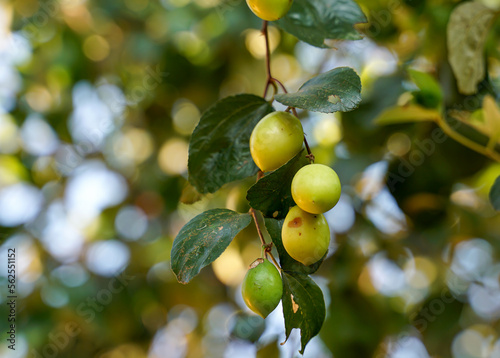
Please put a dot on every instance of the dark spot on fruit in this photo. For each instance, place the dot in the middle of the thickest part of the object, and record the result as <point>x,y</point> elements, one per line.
<point>300,234</point>
<point>297,222</point>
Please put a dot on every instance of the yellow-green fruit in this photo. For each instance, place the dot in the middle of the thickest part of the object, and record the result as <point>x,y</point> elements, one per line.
<point>316,188</point>
<point>262,287</point>
<point>270,10</point>
<point>305,236</point>
<point>275,140</point>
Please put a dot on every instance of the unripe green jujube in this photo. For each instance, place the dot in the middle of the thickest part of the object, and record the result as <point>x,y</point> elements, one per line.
<point>262,287</point>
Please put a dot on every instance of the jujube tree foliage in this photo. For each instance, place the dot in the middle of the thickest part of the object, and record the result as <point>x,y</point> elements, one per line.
<point>241,134</point>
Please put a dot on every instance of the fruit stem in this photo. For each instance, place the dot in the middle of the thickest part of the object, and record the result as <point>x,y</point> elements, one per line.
<point>268,52</point>
<point>259,231</point>
<point>269,80</point>
<point>309,155</point>
<point>274,260</point>
<point>281,84</point>
<point>266,247</point>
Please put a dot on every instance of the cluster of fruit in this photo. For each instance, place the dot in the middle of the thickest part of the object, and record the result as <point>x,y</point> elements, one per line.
<point>276,139</point>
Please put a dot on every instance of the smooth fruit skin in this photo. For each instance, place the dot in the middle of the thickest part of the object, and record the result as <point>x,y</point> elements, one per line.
<point>305,236</point>
<point>262,287</point>
<point>275,140</point>
<point>316,188</point>
<point>270,10</point>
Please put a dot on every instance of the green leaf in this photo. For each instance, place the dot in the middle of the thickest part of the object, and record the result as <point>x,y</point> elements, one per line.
<point>430,93</point>
<point>287,263</point>
<point>303,306</point>
<point>332,91</point>
<point>467,31</point>
<point>204,239</point>
<point>406,114</point>
<point>272,194</point>
<point>314,21</point>
<point>219,152</point>
<point>495,194</point>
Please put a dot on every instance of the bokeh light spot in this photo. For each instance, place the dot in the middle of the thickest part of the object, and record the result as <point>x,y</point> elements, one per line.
<point>185,116</point>
<point>107,258</point>
<point>229,267</point>
<point>173,156</point>
<point>256,45</point>
<point>96,48</point>
<point>133,145</point>
<point>327,132</point>
<point>19,204</point>
<point>399,144</point>
<point>9,142</point>
<point>39,98</point>
<point>131,223</point>
<point>38,137</point>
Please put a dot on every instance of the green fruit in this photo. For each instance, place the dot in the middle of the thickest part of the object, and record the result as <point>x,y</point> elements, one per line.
<point>316,188</point>
<point>305,236</point>
<point>270,10</point>
<point>275,140</point>
<point>262,287</point>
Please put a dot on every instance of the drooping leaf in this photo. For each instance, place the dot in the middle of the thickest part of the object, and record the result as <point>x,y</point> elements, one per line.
<point>332,91</point>
<point>430,93</point>
<point>219,152</point>
<point>466,34</point>
<point>204,239</point>
<point>287,263</point>
<point>406,114</point>
<point>272,194</point>
<point>495,194</point>
<point>303,306</point>
<point>314,21</point>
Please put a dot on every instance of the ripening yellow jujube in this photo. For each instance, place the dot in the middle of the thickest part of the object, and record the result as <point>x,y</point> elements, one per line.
<point>275,140</point>
<point>305,236</point>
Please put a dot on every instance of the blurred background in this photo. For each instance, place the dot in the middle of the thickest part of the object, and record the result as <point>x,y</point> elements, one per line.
<point>97,103</point>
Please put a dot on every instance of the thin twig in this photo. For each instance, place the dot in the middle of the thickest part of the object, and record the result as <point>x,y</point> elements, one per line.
<point>268,51</point>
<point>269,78</point>
<point>281,84</point>
<point>259,231</point>
<point>273,259</point>
<point>309,155</point>
<point>267,247</point>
